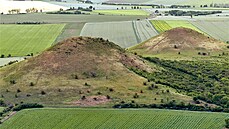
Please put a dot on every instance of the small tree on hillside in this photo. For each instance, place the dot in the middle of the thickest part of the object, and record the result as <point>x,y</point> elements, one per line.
<point>227,123</point>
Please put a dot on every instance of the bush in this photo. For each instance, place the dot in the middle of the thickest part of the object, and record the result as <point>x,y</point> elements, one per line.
<point>26,106</point>
<point>227,123</point>
<point>43,92</point>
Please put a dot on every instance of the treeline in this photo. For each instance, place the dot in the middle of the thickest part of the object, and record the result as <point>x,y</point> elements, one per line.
<point>64,12</point>
<point>174,106</point>
<point>16,107</point>
<point>189,13</point>
<point>203,80</point>
<point>73,10</point>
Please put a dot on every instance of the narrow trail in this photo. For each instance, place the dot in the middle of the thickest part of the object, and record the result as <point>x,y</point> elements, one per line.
<point>8,116</point>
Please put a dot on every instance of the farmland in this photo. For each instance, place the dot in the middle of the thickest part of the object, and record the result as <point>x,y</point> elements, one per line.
<point>216,29</point>
<point>20,40</point>
<point>181,23</point>
<point>110,118</point>
<point>125,34</point>
<point>62,18</point>
<point>70,30</point>
<point>161,26</point>
<point>144,30</point>
<point>122,12</point>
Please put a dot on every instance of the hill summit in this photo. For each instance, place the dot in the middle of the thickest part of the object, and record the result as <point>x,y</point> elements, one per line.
<point>179,40</point>
<point>75,67</point>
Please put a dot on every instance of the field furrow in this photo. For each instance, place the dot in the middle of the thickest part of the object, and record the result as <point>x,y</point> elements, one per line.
<point>20,40</point>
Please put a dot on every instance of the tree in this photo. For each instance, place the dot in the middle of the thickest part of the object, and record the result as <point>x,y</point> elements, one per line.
<point>227,123</point>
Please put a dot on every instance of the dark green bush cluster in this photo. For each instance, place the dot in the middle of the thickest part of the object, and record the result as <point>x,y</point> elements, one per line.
<point>206,80</point>
<point>188,13</point>
<point>172,105</point>
<point>26,106</point>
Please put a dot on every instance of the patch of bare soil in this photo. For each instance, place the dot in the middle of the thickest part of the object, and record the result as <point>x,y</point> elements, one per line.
<point>91,101</point>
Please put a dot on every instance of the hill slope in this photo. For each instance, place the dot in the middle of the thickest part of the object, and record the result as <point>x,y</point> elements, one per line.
<point>180,40</point>
<point>79,71</point>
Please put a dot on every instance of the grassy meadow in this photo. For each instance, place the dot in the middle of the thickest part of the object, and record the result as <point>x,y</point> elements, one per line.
<point>112,118</point>
<point>20,40</point>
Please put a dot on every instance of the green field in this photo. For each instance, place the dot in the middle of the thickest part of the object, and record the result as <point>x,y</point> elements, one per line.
<point>162,26</point>
<point>179,23</point>
<point>122,12</point>
<point>70,30</point>
<point>63,18</point>
<point>1,109</point>
<point>111,118</point>
<point>20,40</point>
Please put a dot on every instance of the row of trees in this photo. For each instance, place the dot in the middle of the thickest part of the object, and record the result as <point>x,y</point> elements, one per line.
<point>206,80</point>
<point>29,10</point>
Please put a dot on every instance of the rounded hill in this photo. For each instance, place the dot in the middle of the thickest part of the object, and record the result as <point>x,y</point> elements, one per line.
<point>179,40</point>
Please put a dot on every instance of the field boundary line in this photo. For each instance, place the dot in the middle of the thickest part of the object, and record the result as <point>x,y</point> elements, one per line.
<point>135,32</point>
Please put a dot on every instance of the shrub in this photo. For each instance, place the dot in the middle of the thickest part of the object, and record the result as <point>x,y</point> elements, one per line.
<point>43,92</point>
<point>12,82</point>
<point>136,96</point>
<point>26,106</point>
<point>18,90</point>
<point>83,97</point>
<point>227,123</point>
<point>31,84</point>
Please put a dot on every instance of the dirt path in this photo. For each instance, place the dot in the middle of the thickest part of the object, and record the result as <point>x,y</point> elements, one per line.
<point>8,116</point>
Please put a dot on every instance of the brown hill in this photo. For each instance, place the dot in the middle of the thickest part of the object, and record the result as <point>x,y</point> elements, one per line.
<point>179,40</point>
<point>76,67</point>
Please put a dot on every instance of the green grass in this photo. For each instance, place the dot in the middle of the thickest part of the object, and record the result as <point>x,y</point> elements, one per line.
<point>113,118</point>
<point>122,12</point>
<point>1,109</point>
<point>182,23</point>
<point>161,26</point>
<point>20,40</point>
<point>71,30</point>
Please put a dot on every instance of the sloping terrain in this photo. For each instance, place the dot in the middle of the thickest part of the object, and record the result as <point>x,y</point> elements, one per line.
<point>80,71</point>
<point>180,40</point>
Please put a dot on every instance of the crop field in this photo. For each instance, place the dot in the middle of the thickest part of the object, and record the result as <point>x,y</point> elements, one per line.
<point>70,30</point>
<point>122,12</point>
<point>186,2</point>
<point>125,34</point>
<point>144,30</point>
<point>182,23</point>
<point>111,118</point>
<point>127,1</point>
<point>20,40</point>
<point>164,25</point>
<point>161,26</point>
<point>121,33</point>
<point>63,18</point>
<point>217,29</point>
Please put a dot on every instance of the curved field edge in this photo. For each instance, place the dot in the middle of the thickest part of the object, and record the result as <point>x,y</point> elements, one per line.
<point>113,118</point>
<point>21,40</point>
